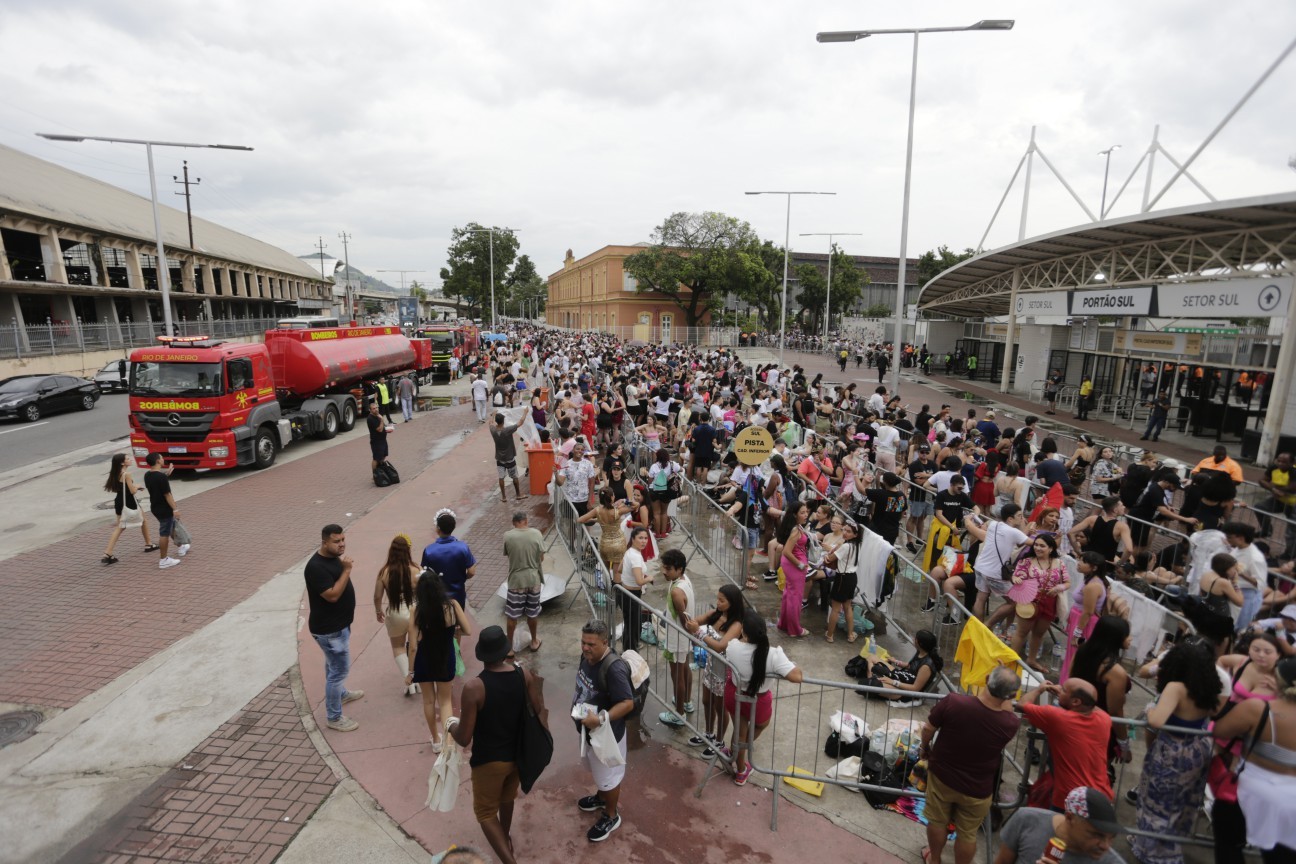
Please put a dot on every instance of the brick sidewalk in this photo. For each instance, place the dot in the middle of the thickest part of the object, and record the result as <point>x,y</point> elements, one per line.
<point>72,625</point>
<point>241,795</point>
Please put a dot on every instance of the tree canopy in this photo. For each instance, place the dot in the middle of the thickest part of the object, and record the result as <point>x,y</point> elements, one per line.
<point>468,270</point>
<point>936,261</point>
<point>696,259</point>
<point>847,280</point>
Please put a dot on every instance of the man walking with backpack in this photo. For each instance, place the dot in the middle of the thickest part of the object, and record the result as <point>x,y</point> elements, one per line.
<point>604,697</point>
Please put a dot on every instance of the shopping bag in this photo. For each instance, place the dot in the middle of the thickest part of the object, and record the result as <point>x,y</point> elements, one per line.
<point>443,781</point>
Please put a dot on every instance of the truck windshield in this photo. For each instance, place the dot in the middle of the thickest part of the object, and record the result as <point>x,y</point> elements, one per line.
<point>176,379</point>
<point>442,338</point>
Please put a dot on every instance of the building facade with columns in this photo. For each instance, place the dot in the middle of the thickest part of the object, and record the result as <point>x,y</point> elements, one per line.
<point>78,258</point>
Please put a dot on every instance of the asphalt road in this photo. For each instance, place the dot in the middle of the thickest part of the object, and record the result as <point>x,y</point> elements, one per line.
<point>24,443</point>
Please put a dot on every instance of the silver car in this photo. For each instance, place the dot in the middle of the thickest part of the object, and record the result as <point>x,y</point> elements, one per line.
<point>112,377</point>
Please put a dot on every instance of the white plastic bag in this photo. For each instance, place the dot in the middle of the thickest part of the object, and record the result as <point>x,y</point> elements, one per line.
<point>848,727</point>
<point>896,731</point>
<point>847,770</point>
<point>604,743</point>
<point>443,781</point>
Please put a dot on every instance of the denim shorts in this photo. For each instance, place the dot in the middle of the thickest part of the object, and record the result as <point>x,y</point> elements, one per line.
<point>919,509</point>
<point>166,526</point>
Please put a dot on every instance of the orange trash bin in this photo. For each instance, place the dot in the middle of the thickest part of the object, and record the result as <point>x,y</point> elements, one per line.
<point>544,398</point>
<point>540,466</point>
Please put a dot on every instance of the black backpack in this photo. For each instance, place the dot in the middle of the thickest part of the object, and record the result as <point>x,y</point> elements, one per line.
<point>640,692</point>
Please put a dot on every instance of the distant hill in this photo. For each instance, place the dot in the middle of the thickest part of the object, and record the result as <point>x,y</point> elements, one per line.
<point>339,272</point>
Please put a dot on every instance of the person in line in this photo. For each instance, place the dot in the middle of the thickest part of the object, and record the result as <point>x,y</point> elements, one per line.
<point>1046,569</point>
<point>162,504</point>
<point>395,584</point>
<point>1173,779</point>
<point>999,542</point>
<point>524,549</point>
<point>1267,787</point>
<point>716,629</point>
<point>1079,832</point>
<point>1077,731</point>
<point>450,558</point>
<point>845,560</point>
<point>125,494</point>
<point>1098,661</point>
<point>1252,570</point>
<point>1088,599</point>
<point>433,652</point>
<point>794,560</point>
<point>678,649</point>
<point>609,514</point>
<point>753,660</point>
<point>659,491</point>
<point>633,575</point>
<point>492,706</point>
<point>576,478</point>
<point>964,761</point>
<point>332,611</point>
<point>603,689</point>
<point>506,456</point>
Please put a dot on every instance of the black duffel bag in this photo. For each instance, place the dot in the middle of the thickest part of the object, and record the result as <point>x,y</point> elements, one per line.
<point>835,748</point>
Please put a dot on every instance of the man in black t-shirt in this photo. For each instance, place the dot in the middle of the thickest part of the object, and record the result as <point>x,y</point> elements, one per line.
<point>952,503</point>
<point>162,504</point>
<point>889,507</point>
<point>920,503</point>
<point>607,693</point>
<point>377,435</point>
<point>332,609</point>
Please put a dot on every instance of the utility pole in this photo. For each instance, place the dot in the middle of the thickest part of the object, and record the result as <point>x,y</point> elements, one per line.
<point>346,258</point>
<point>185,193</point>
<point>321,247</point>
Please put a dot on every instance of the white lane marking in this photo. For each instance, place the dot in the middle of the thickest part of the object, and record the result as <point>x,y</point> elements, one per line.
<point>21,428</point>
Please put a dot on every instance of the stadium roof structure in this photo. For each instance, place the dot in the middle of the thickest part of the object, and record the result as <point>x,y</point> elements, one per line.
<point>43,190</point>
<point>1241,237</point>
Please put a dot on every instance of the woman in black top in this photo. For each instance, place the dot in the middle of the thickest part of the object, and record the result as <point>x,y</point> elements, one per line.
<point>123,487</point>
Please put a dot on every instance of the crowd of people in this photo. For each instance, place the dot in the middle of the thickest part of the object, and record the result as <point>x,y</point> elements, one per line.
<point>992,511</point>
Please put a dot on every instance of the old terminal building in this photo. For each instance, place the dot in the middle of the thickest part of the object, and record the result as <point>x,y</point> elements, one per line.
<point>78,270</point>
<point>595,293</point>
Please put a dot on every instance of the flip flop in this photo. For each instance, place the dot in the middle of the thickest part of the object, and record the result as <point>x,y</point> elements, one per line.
<point>851,637</point>
<point>536,647</point>
<point>828,638</point>
<point>926,854</point>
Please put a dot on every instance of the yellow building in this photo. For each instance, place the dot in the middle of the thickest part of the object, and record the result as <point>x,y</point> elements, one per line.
<point>595,293</point>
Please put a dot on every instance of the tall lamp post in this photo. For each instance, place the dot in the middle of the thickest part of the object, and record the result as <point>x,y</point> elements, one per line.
<point>1102,208</point>
<point>491,231</point>
<point>828,294</point>
<point>163,272</point>
<point>855,36</point>
<point>787,252</point>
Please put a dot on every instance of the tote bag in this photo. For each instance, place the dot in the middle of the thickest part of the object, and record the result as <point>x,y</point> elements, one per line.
<point>536,747</point>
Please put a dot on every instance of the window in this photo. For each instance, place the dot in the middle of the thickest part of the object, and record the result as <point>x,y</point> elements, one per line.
<point>629,284</point>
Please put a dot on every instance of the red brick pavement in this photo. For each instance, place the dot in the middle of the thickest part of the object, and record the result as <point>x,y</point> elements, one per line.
<point>240,796</point>
<point>72,625</point>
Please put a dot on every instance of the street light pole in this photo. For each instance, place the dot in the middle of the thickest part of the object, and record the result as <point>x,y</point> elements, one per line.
<point>787,254</point>
<point>1102,208</point>
<point>901,274</point>
<point>491,231</point>
<point>828,294</point>
<point>163,272</point>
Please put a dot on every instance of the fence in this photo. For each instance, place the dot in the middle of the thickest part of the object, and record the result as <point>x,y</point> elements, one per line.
<point>72,337</point>
<point>698,337</point>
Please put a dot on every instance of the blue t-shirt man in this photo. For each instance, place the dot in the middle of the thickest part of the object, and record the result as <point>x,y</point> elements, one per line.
<point>451,558</point>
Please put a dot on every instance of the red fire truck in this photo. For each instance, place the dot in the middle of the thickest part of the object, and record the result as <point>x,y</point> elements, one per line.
<point>450,340</point>
<point>211,404</point>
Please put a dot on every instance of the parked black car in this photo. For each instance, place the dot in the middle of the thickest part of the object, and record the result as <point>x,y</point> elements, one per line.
<point>110,379</point>
<point>32,396</point>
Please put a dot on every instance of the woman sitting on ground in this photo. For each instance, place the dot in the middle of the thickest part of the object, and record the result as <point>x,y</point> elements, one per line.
<point>917,676</point>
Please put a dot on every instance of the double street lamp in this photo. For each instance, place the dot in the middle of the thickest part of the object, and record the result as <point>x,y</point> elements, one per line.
<point>787,251</point>
<point>163,272</point>
<point>828,293</point>
<point>855,36</point>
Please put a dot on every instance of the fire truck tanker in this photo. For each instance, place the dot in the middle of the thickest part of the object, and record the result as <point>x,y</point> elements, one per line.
<point>210,404</point>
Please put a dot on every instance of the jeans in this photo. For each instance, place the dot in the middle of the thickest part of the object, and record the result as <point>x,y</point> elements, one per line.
<point>1155,426</point>
<point>407,407</point>
<point>337,663</point>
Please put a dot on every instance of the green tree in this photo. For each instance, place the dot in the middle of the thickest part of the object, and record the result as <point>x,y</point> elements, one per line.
<point>879,310</point>
<point>764,291</point>
<point>811,296</point>
<point>416,289</point>
<point>468,271</point>
<point>696,259</point>
<point>847,281</point>
<point>933,263</point>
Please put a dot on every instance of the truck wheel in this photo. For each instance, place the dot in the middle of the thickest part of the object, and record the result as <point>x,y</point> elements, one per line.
<point>348,421</point>
<point>264,449</point>
<point>330,427</point>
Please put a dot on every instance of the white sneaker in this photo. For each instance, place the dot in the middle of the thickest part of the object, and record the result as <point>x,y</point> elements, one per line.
<point>183,550</point>
<point>168,562</point>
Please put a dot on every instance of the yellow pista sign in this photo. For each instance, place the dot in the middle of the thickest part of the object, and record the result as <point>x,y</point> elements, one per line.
<point>753,445</point>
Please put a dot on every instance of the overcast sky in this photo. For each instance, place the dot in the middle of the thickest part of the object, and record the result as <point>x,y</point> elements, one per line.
<point>585,123</point>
